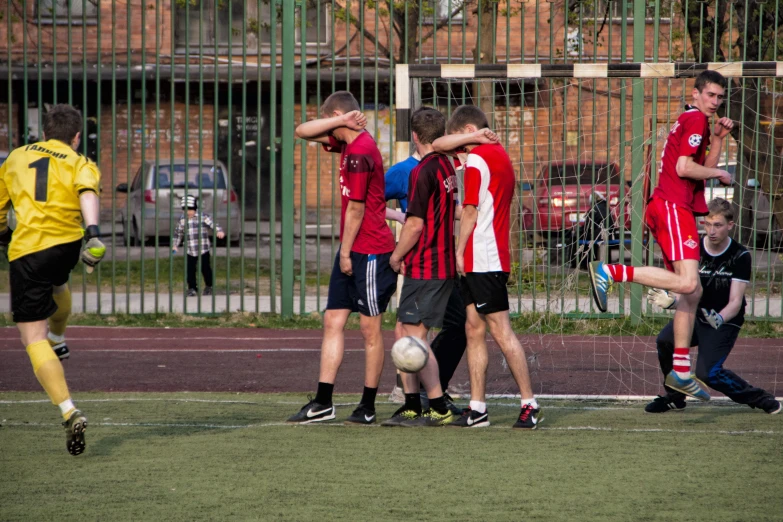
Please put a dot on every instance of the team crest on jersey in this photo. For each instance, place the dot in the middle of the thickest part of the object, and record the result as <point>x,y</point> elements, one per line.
<point>690,243</point>
<point>694,140</point>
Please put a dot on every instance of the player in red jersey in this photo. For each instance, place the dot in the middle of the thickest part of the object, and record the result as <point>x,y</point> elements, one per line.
<point>670,216</point>
<point>362,279</point>
<point>484,261</point>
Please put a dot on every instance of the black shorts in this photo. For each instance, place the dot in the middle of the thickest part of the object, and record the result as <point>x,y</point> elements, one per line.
<point>33,278</point>
<point>370,288</point>
<point>486,290</point>
<point>424,301</point>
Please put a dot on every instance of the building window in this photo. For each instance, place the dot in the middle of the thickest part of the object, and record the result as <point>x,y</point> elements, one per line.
<point>317,25</point>
<point>445,8</point>
<point>57,11</point>
<point>597,10</point>
<point>209,21</point>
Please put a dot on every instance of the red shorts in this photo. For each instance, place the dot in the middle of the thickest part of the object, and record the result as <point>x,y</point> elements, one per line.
<point>674,228</point>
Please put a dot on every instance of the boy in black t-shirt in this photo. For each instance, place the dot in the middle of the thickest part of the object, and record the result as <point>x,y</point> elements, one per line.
<point>724,270</point>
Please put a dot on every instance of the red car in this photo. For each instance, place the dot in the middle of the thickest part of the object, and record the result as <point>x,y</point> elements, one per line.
<point>563,193</point>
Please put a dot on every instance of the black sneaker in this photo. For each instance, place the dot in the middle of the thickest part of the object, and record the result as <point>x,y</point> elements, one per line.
<point>664,403</point>
<point>207,290</point>
<point>770,405</point>
<point>529,418</point>
<point>192,292</point>
<point>472,419</point>
<point>61,351</point>
<point>313,412</point>
<point>361,415</point>
<point>453,408</point>
<point>74,432</point>
<point>401,415</point>
<point>430,418</point>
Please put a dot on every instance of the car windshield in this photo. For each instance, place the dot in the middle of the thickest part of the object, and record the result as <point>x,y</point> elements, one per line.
<point>585,174</point>
<point>207,177</point>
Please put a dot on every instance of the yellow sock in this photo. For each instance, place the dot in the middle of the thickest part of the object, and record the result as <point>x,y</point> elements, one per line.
<point>58,321</point>
<point>49,371</point>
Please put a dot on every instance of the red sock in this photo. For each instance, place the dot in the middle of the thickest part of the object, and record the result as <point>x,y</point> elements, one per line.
<point>620,273</point>
<point>682,362</point>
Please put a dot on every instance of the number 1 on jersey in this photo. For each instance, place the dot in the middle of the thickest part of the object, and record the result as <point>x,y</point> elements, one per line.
<point>41,178</point>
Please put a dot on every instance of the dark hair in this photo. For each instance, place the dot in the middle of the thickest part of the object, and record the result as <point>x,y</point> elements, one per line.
<point>720,206</point>
<point>340,101</point>
<point>428,124</point>
<point>62,122</point>
<point>710,77</point>
<point>464,115</point>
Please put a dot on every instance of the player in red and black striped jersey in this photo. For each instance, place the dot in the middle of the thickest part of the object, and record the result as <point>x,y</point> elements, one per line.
<point>362,280</point>
<point>670,216</point>
<point>425,255</point>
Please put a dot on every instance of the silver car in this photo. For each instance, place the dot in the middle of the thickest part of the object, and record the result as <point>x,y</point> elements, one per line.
<point>153,206</point>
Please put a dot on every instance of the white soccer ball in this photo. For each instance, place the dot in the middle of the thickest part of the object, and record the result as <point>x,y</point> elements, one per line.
<point>410,354</point>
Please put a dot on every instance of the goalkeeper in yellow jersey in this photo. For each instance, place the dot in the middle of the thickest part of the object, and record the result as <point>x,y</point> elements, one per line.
<point>52,189</point>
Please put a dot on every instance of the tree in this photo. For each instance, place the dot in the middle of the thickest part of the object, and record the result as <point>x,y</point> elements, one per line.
<point>708,33</point>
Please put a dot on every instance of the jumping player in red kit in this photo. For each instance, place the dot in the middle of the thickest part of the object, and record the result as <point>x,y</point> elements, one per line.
<point>670,216</point>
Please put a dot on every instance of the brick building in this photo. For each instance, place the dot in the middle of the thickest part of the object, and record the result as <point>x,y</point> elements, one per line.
<point>200,77</point>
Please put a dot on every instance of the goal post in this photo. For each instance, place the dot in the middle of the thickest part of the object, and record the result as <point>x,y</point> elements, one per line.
<point>408,83</point>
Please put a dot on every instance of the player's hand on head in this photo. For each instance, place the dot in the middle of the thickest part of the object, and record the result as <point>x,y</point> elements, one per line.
<point>355,120</point>
<point>486,136</point>
<point>94,249</point>
<point>723,127</point>
<point>661,298</point>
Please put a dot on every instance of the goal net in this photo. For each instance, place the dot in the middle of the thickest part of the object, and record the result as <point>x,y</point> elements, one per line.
<point>586,161</point>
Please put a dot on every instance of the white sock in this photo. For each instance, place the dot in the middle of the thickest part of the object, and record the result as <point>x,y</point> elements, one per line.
<point>478,406</point>
<point>66,406</point>
<point>531,402</point>
<point>56,339</point>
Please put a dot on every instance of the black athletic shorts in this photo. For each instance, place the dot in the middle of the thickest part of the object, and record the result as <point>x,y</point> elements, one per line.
<point>34,276</point>
<point>370,288</point>
<point>424,301</point>
<point>486,290</point>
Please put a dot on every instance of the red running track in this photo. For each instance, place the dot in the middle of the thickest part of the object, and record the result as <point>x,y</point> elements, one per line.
<point>255,360</point>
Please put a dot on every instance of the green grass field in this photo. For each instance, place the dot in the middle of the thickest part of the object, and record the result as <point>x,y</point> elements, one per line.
<point>197,456</point>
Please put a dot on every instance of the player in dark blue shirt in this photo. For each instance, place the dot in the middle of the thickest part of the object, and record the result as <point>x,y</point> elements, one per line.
<point>724,269</point>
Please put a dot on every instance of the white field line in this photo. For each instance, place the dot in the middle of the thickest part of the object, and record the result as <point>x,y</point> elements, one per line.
<point>721,402</point>
<point>333,425</point>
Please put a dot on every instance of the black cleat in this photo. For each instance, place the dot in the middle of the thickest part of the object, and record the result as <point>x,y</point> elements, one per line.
<point>770,405</point>
<point>453,408</point>
<point>207,290</point>
<point>192,292</point>
<point>74,432</point>
<point>430,418</point>
<point>361,415</point>
<point>61,351</point>
<point>664,403</point>
<point>401,415</point>
<point>529,418</point>
<point>313,412</point>
<point>472,419</point>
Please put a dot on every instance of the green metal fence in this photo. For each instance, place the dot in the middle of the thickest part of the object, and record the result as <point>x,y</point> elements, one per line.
<point>202,96</point>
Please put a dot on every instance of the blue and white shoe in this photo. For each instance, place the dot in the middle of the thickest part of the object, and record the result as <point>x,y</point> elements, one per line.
<point>600,283</point>
<point>687,386</point>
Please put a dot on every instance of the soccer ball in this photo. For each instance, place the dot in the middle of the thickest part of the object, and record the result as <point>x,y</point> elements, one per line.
<point>410,354</point>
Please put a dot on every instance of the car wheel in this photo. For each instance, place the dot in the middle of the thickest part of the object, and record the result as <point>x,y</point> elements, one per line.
<point>136,239</point>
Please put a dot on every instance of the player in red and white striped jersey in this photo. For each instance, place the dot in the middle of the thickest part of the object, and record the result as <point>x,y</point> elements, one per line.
<point>484,260</point>
<point>670,215</point>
